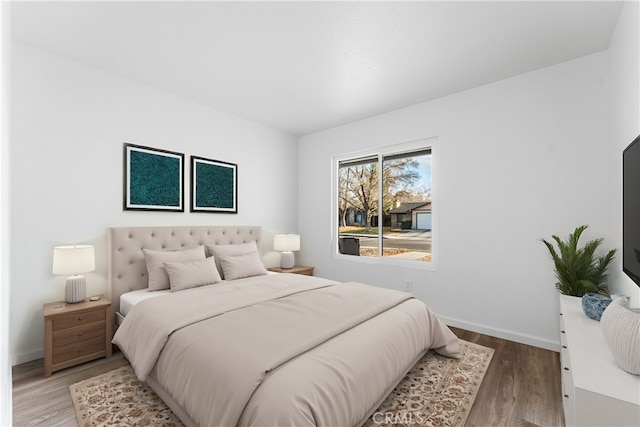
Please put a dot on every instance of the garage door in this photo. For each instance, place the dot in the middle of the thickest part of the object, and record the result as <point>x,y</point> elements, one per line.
<point>423,221</point>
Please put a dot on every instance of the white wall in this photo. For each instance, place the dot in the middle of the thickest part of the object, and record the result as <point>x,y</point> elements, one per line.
<point>516,161</point>
<point>624,72</point>
<point>5,354</point>
<point>69,122</point>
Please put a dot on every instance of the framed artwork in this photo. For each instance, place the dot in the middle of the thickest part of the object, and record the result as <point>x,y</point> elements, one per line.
<point>214,186</point>
<point>153,179</point>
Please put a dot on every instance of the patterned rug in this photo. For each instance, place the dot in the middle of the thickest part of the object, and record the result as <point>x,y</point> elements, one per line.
<point>438,391</point>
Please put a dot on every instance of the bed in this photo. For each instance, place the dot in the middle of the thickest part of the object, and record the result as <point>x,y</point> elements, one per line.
<point>259,348</point>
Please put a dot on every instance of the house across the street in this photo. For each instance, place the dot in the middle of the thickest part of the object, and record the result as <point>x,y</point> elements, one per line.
<point>414,216</point>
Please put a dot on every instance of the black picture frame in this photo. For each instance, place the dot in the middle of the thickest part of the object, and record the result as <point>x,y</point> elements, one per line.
<point>214,186</point>
<point>153,179</point>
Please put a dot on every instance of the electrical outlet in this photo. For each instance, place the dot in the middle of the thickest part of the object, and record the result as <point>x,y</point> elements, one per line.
<point>408,285</point>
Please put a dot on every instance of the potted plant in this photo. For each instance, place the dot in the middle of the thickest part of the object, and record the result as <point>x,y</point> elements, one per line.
<point>578,270</point>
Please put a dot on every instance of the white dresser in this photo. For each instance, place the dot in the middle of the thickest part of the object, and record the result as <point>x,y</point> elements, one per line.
<point>596,392</point>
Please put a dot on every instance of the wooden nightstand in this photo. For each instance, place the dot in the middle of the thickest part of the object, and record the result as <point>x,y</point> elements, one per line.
<point>296,269</point>
<point>76,333</point>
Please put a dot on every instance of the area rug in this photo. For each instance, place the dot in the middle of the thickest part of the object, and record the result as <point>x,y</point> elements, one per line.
<point>437,391</point>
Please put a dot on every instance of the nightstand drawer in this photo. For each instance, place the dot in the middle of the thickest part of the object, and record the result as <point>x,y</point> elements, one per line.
<point>78,319</point>
<point>78,349</point>
<point>80,333</point>
<point>296,269</point>
<point>306,272</point>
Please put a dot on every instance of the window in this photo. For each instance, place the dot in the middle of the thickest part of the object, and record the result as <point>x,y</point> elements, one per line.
<point>384,204</point>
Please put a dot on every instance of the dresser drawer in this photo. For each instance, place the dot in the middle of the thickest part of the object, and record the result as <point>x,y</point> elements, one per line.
<point>565,363</point>
<point>78,334</point>
<point>567,375</point>
<point>78,319</point>
<point>563,333</point>
<point>79,349</point>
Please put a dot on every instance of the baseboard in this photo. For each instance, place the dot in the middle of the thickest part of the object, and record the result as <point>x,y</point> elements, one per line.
<point>19,359</point>
<point>502,333</point>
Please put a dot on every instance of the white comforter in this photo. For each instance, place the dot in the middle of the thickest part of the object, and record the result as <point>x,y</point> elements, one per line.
<point>280,349</point>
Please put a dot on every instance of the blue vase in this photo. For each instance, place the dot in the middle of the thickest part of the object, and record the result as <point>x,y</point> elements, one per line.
<point>593,305</point>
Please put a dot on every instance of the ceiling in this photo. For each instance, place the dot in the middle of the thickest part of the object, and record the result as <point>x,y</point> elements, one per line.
<point>306,66</point>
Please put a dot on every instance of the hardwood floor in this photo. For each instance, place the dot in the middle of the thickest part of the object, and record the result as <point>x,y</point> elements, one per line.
<point>521,388</point>
<point>40,401</point>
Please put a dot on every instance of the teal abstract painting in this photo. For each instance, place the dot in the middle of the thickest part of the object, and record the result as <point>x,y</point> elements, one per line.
<point>213,186</point>
<point>153,179</point>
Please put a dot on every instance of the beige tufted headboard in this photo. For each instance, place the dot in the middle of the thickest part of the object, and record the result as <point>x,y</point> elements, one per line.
<point>127,270</point>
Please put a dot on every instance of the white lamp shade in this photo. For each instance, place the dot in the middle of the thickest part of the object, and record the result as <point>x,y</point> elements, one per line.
<point>286,242</point>
<point>73,259</point>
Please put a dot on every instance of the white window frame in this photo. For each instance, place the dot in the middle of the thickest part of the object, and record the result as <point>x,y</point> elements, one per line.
<point>380,152</point>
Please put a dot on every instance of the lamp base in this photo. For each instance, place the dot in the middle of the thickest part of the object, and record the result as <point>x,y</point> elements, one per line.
<point>286,260</point>
<point>76,289</point>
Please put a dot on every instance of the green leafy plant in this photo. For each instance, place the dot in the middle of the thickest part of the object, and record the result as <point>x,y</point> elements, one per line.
<point>579,270</point>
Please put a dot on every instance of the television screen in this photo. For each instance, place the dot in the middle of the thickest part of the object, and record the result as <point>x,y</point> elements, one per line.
<point>631,211</point>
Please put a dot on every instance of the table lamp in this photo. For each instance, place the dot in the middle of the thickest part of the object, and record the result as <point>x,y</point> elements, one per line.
<point>286,243</point>
<point>74,260</point>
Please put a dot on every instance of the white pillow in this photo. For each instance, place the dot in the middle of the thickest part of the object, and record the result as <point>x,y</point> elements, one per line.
<point>158,278</point>
<point>191,274</point>
<point>239,266</point>
<point>221,251</point>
